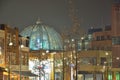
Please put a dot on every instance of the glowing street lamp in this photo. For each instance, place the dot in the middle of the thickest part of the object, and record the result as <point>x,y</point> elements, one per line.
<point>10,44</point>
<point>117,58</point>
<point>20,59</point>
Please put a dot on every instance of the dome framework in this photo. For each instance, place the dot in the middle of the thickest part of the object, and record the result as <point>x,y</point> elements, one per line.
<point>42,37</point>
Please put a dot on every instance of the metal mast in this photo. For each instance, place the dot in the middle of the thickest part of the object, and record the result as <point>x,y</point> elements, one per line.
<point>75,33</point>
<point>75,29</point>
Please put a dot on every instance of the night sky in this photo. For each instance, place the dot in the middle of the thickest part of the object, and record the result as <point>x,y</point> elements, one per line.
<point>22,13</point>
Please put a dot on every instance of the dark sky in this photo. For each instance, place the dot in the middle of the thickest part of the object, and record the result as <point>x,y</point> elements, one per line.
<point>22,13</point>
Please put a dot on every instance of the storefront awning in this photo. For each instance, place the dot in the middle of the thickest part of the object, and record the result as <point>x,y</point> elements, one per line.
<point>26,73</point>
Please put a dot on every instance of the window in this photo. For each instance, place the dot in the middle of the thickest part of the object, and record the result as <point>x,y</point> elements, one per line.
<point>88,60</point>
<point>116,40</point>
<point>98,38</point>
<point>102,38</point>
<point>103,59</point>
<point>108,37</point>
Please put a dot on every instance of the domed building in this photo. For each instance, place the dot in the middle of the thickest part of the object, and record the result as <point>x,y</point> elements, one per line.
<point>42,37</point>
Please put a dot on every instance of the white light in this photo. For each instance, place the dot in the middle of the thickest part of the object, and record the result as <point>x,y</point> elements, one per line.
<point>82,38</point>
<point>0,51</point>
<point>75,57</point>
<point>103,67</point>
<point>54,52</point>
<point>117,58</point>
<point>73,40</point>
<point>10,44</point>
<point>6,69</point>
<point>89,63</point>
<point>22,56</point>
<point>47,51</point>
<point>105,62</point>
<point>64,58</point>
<point>97,64</point>
<point>78,61</point>
<point>21,46</point>
<point>74,51</point>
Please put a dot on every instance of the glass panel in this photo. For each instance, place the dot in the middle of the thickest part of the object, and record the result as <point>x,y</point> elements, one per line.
<point>58,67</point>
<point>42,37</point>
<point>117,76</point>
<point>109,75</point>
<point>88,61</point>
<point>116,40</point>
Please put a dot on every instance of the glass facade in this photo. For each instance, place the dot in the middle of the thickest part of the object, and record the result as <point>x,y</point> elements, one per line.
<point>42,37</point>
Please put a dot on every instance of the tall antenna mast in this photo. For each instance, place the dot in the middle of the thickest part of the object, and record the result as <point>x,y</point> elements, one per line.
<point>75,29</point>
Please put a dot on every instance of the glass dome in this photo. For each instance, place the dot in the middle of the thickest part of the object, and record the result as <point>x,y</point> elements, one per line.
<point>42,37</point>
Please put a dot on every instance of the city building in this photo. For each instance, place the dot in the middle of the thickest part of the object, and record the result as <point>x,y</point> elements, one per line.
<point>116,38</point>
<point>9,60</point>
<point>47,56</point>
<point>102,40</point>
<point>46,48</point>
<point>13,55</point>
<point>94,61</point>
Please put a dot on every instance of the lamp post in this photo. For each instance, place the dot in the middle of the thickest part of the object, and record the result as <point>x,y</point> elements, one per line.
<point>20,60</point>
<point>10,44</point>
<point>63,63</point>
<point>71,58</point>
<point>75,51</point>
<point>108,65</point>
<point>76,65</point>
<point>76,58</point>
<point>76,54</point>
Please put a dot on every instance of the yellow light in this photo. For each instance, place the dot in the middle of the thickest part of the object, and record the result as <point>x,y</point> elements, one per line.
<point>0,53</point>
<point>106,53</point>
<point>43,54</point>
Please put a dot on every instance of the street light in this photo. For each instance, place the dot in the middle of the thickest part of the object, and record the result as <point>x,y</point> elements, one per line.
<point>10,44</point>
<point>75,51</point>
<point>20,59</point>
<point>108,66</point>
<point>75,56</point>
<point>117,58</point>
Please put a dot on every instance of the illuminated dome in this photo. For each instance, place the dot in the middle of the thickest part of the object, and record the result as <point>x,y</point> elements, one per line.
<point>42,37</point>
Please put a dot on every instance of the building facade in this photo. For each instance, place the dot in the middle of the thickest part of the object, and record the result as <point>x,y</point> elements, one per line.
<point>116,33</point>
<point>9,50</point>
<point>13,58</point>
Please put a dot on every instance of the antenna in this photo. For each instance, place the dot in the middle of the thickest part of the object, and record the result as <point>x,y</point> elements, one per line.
<point>75,29</point>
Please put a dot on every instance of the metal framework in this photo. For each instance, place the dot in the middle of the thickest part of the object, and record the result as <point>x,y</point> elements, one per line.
<point>75,29</point>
